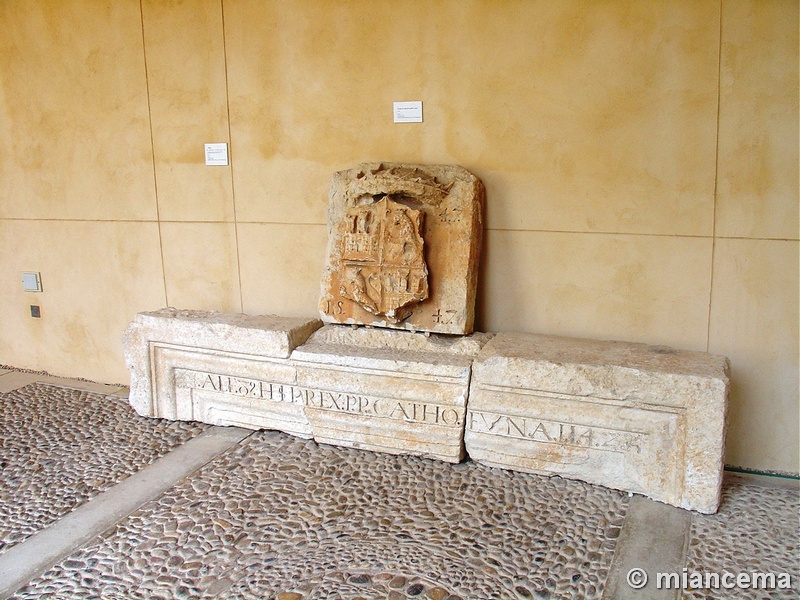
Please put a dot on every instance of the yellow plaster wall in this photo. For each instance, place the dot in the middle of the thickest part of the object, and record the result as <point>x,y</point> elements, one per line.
<point>74,120</point>
<point>640,160</point>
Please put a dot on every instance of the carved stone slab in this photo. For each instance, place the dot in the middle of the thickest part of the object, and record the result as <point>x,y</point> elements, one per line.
<point>390,391</point>
<point>218,368</point>
<point>645,419</point>
<point>403,248</point>
<point>378,389</point>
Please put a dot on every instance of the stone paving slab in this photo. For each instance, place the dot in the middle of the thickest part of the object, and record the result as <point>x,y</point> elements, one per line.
<point>11,380</point>
<point>59,447</point>
<point>281,517</point>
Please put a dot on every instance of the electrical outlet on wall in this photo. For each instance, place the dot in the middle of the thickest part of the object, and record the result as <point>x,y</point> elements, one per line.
<point>31,281</point>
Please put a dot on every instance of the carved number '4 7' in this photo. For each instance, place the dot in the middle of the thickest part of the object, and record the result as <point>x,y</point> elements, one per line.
<point>450,215</point>
<point>446,318</point>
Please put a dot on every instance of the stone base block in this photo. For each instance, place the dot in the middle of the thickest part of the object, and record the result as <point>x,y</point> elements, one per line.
<point>377,389</point>
<point>644,419</point>
<point>218,368</point>
<point>390,391</point>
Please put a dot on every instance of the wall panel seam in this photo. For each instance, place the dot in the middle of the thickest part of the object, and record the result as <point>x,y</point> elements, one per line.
<point>75,220</point>
<point>716,185</point>
<point>306,224</point>
<point>232,156</point>
<point>153,154</point>
<point>620,233</point>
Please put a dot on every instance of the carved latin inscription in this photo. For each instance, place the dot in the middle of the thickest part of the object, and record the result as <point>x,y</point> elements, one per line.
<point>275,392</point>
<point>315,398</point>
<point>553,432</point>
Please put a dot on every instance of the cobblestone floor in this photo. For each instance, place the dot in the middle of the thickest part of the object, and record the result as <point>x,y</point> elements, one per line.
<point>277,517</point>
<point>282,517</point>
<point>59,447</point>
<point>757,529</point>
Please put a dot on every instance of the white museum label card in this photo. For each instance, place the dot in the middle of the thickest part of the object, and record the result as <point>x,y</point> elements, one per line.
<point>217,154</point>
<point>408,112</point>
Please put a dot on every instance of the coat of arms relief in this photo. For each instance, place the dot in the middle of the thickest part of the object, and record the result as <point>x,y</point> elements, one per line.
<point>383,259</point>
<point>403,248</point>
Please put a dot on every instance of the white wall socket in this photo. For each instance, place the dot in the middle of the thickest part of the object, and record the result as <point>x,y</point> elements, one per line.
<point>31,281</point>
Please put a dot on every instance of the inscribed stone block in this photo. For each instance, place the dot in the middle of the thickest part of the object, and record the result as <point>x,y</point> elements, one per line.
<point>390,391</point>
<point>219,368</point>
<point>645,419</point>
<point>403,247</point>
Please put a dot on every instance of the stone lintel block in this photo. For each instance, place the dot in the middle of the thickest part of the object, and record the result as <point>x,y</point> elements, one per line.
<point>389,391</point>
<point>219,368</point>
<point>644,419</point>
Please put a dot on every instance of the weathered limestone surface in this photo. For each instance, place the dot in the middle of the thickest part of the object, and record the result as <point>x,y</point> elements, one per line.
<point>403,247</point>
<point>391,391</point>
<point>645,419</point>
<point>399,341</point>
<point>378,389</point>
<point>218,368</point>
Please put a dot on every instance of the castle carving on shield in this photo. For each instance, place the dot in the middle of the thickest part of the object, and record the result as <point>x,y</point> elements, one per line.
<point>383,259</point>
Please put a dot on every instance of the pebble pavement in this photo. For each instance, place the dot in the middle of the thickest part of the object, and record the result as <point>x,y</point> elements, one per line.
<point>757,529</point>
<point>280,517</point>
<point>59,447</point>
